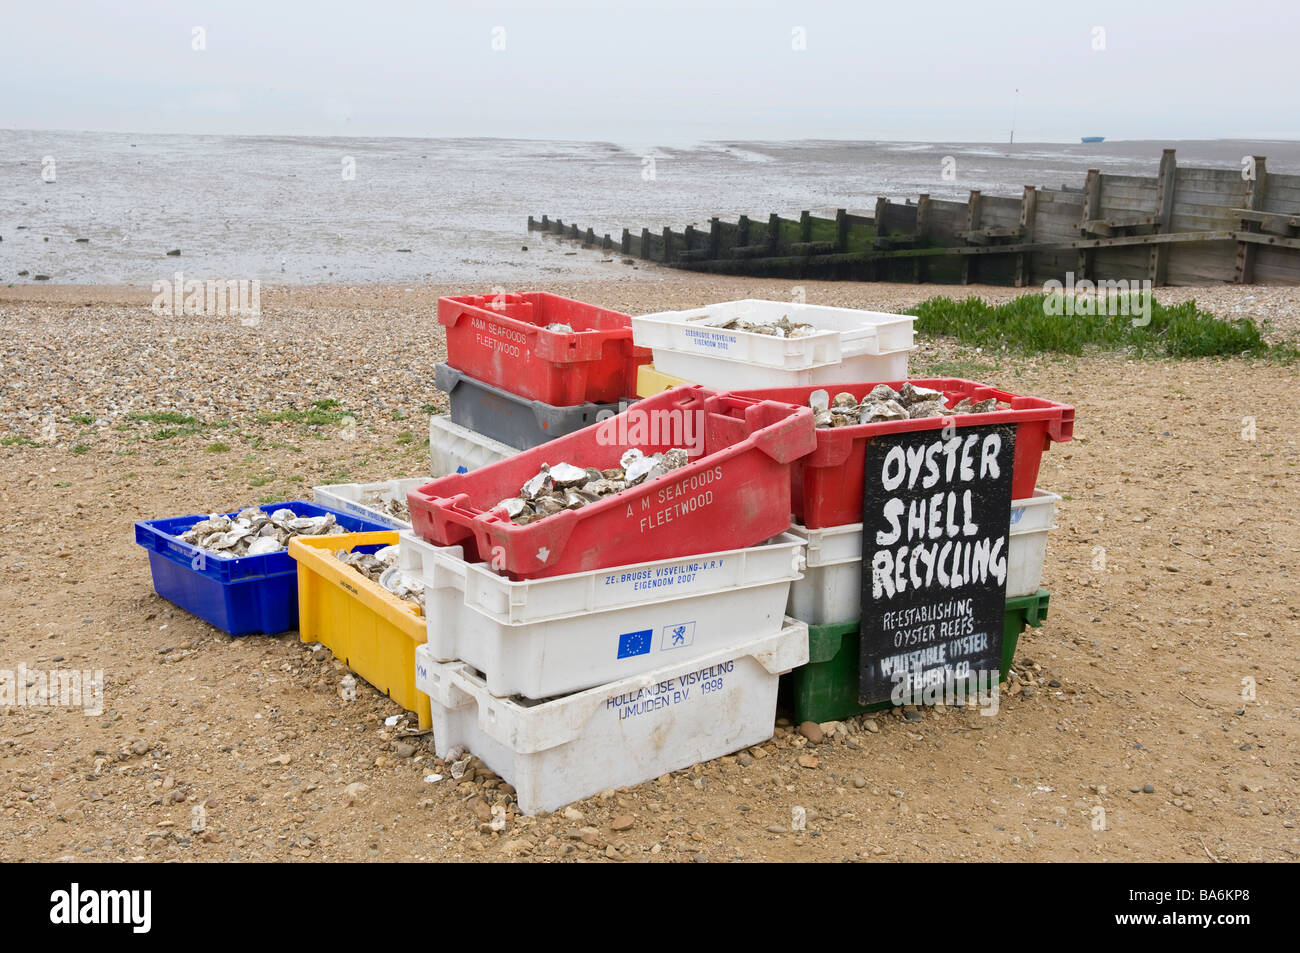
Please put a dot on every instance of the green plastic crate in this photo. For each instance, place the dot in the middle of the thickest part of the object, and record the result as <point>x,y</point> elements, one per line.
<point>826,689</point>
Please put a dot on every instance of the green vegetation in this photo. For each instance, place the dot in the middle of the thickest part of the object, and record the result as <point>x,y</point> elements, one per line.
<point>961,367</point>
<point>429,409</point>
<point>259,481</point>
<point>217,447</point>
<point>18,440</point>
<point>83,418</point>
<point>323,413</point>
<point>81,448</point>
<point>1036,324</point>
<point>166,433</point>
<point>405,437</point>
<point>164,417</point>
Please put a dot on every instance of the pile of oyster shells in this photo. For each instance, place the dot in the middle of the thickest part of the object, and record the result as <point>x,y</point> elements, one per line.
<point>784,328</point>
<point>566,487</point>
<point>559,328</point>
<point>251,532</point>
<point>394,506</point>
<point>909,402</point>
<point>381,567</point>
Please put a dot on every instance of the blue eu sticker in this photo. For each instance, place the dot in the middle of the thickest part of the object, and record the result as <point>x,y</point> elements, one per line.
<point>634,643</point>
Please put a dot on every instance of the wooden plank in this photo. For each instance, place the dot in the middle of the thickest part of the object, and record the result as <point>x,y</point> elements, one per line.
<point>1028,214</point>
<point>922,224</point>
<point>1167,180</point>
<point>1088,212</point>
<point>1244,272</point>
<point>970,270</point>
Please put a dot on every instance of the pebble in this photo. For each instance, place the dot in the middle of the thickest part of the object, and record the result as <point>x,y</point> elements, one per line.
<point>812,731</point>
<point>859,782</point>
<point>871,726</point>
<point>808,761</point>
<point>623,822</point>
<point>1148,789</point>
<point>572,813</point>
<point>912,716</point>
<point>404,749</point>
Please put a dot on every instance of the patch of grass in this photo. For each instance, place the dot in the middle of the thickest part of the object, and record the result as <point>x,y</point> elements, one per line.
<point>429,409</point>
<point>1035,324</point>
<point>81,448</point>
<point>164,417</point>
<point>323,413</point>
<point>18,441</point>
<point>963,368</point>
<point>167,433</point>
<point>259,481</point>
<point>63,484</point>
<point>406,437</point>
<point>268,499</point>
<point>398,415</point>
<point>217,447</point>
<point>83,418</point>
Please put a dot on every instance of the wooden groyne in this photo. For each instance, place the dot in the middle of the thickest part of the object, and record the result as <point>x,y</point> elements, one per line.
<point>1183,226</point>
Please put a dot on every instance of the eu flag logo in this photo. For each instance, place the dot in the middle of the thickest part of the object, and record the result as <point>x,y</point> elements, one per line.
<point>634,643</point>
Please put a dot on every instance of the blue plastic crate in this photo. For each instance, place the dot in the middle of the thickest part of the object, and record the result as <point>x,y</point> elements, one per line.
<point>239,596</point>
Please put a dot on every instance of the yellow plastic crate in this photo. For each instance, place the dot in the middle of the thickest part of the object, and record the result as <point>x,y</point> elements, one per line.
<point>369,629</point>
<point>650,382</point>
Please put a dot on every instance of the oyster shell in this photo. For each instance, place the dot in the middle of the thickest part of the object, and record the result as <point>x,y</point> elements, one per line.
<point>564,475</point>
<point>885,410</point>
<point>819,400</point>
<point>674,458</point>
<point>844,399</point>
<point>264,544</point>
<point>927,408</point>
<point>912,394</point>
<point>539,485</point>
<point>513,506</point>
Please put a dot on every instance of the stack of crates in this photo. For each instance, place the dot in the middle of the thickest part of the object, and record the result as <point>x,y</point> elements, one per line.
<point>641,633</point>
<point>645,631</point>
<point>827,513</point>
<point>523,369</point>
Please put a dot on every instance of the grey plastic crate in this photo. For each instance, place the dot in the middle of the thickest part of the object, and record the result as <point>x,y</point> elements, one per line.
<point>508,418</point>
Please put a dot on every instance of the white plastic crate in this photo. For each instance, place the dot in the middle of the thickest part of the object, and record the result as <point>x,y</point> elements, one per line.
<point>831,588</point>
<point>457,449</point>
<point>619,734</point>
<point>346,498</point>
<point>545,637</point>
<point>849,345</point>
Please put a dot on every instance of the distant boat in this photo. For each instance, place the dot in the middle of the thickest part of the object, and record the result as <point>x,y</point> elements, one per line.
<point>1093,139</point>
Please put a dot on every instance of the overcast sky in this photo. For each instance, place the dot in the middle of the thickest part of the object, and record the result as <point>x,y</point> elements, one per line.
<point>658,71</point>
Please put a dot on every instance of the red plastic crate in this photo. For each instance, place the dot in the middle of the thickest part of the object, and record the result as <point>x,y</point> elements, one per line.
<point>502,340</point>
<point>735,493</point>
<point>826,485</point>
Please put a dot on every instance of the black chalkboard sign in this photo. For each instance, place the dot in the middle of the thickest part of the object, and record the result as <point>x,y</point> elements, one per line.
<point>936,509</point>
